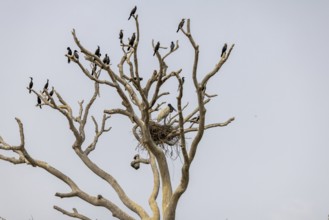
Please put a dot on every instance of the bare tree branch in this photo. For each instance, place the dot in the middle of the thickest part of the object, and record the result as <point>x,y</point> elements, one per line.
<point>73,214</point>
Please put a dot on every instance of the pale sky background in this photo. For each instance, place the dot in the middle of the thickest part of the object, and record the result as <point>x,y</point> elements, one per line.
<point>271,163</point>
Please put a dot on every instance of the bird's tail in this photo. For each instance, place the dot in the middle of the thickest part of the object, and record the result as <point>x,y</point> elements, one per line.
<point>68,60</point>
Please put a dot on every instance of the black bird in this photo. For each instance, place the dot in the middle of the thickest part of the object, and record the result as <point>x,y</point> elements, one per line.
<point>106,59</point>
<point>121,35</point>
<point>140,78</point>
<point>93,71</point>
<point>181,24</point>
<point>69,52</point>
<point>132,41</point>
<point>51,93</point>
<point>133,11</point>
<point>224,49</point>
<point>39,102</point>
<point>98,52</point>
<point>30,85</point>
<point>46,86</point>
<point>172,46</point>
<point>183,80</point>
<point>156,48</point>
<point>76,55</point>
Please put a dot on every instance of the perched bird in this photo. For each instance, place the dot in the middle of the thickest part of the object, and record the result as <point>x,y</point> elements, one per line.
<point>30,85</point>
<point>98,52</point>
<point>156,48</point>
<point>183,80</point>
<point>39,102</point>
<point>163,114</point>
<point>106,60</point>
<point>135,78</point>
<point>181,24</point>
<point>224,49</point>
<point>135,164</point>
<point>76,55</point>
<point>132,41</point>
<point>194,120</point>
<point>133,11</point>
<point>121,35</point>
<point>172,46</point>
<point>46,85</point>
<point>69,52</point>
<point>51,93</point>
<point>93,71</point>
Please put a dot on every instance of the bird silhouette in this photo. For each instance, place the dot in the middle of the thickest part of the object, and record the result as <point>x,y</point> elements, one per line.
<point>30,85</point>
<point>172,46</point>
<point>224,49</point>
<point>121,35</point>
<point>181,24</point>
<point>133,11</point>
<point>76,55</point>
<point>132,41</point>
<point>98,52</point>
<point>156,48</point>
<point>69,53</point>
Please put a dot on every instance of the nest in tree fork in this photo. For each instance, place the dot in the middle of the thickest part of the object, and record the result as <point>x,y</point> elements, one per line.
<point>163,136</point>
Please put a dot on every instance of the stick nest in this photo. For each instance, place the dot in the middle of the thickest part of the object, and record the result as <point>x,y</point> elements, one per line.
<point>163,136</point>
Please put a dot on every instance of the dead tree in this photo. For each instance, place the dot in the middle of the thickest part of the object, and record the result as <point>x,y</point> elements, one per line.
<point>138,104</point>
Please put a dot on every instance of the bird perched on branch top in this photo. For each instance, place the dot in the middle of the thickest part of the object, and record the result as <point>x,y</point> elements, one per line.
<point>69,52</point>
<point>76,55</point>
<point>172,46</point>
<point>39,102</point>
<point>121,35</point>
<point>51,93</point>
<point>98,52</point>
<point>163,114</point>
<point>30,85</point>
<point>46,86</point>
<point>106,59</point>
<point>132,41</point>
<point>133,11</point>
<point>181,24</point>
<point>156,48</point>
<point>224,49</point>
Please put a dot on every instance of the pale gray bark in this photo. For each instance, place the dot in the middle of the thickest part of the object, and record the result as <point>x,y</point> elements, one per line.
<point>138,103</point>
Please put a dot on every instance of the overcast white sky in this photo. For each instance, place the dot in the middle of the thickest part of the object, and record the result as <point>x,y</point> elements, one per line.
<point>271,163</point>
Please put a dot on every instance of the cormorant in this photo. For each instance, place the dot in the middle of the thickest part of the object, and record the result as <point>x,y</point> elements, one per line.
<point>121,35</point>
<point>46,85</point>
<point>183,80</point>
<point>133,11</point>
<point>156,48</point>
<point>31,85</point>
<point>224,49</point>
<point>132,41</point>
<point>163,114</point>
<point>106,60</point>
<point>39,102</point>
<point>76,55</point>
<point>172,46</point>
<point>69,52</point>
<point>181,24</point>
<point>98,52</point>
<point>51,93</point>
